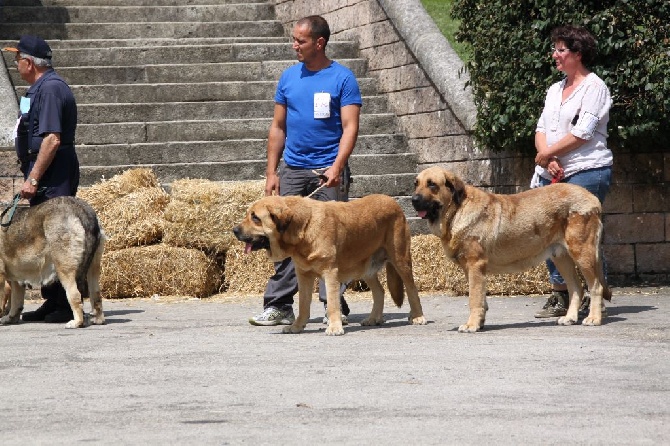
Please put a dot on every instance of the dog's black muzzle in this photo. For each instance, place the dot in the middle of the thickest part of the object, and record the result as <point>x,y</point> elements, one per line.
<point>426,209</point>
<point>253,243</point>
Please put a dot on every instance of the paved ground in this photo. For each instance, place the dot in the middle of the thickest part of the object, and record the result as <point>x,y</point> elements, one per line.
<point>195,372</point>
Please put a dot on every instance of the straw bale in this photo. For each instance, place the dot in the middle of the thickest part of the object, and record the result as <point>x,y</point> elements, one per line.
<point>202,213</point>
<point>433,272</point>
<point>104,193</point>
<point>158,269</point>
<point>134,219</point>
<point>246,273</point>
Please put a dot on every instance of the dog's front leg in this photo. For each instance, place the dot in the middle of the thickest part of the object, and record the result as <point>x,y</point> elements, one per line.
<point>333,303</point>
<point>477,298</point>
<point>18,293</point>
<point>305,287</point>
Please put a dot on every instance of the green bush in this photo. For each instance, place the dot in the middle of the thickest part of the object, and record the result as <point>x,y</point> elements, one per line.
<point>511,67</point>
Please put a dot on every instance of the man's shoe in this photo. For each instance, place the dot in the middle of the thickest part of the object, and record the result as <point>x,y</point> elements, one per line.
<point>59,316</point>
<point>345,320</point>
<point>273,316</point>
<point>556,306</point>
<point>40,314</point>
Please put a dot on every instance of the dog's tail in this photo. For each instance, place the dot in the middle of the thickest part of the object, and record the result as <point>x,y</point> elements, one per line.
<point>395,285</point>
<point>94,237</point>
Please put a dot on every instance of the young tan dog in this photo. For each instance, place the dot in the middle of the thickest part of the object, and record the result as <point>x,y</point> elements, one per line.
<point>489,233</point>
<point>340,242</point>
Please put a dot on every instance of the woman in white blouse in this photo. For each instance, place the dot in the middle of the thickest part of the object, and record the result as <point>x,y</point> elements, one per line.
<point>571,135</point>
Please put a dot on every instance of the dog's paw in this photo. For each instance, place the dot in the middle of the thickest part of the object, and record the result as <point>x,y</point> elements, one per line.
<point>292,329</point>
<point>97,320</point>
<point>467,328</point>
<point>335,330</point>
<point>7,320</point>
<point>74,324</point>
<point>566,321</point>
<point>370,320</point>
<point>592,321</point>
<point>418,320</point>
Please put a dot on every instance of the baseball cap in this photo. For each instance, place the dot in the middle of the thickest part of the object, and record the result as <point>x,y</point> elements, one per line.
<point>33,46</point>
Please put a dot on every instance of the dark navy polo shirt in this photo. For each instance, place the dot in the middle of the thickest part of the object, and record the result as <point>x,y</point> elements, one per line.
<point>53,109</point>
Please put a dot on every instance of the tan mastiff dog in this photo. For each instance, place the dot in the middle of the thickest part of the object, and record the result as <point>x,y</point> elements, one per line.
<point>489,233</point>
<point>340,242</point>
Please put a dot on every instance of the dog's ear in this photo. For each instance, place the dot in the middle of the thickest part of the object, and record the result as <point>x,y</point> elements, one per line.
<point>281,216</point>
<point>457,187</point>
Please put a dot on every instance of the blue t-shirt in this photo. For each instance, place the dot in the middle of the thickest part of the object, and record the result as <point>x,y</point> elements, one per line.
<point>313,142</point>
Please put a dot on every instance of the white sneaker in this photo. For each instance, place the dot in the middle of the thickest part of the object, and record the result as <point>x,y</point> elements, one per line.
<point>273,316</point>
<point>345,320</point>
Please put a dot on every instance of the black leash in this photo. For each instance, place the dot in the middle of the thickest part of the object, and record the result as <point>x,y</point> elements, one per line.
<point>11,209</point>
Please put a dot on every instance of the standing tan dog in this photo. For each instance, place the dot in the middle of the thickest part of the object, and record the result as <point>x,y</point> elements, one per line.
<point>489,233</point>
<point>60,238</point>
<point>340,242</point>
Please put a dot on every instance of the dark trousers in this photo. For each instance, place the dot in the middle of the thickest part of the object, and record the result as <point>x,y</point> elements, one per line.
<point>283,285</point>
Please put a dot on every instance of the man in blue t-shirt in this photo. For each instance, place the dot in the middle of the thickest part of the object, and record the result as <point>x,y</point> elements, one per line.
<point>314,129</point>
<point>44,140</point>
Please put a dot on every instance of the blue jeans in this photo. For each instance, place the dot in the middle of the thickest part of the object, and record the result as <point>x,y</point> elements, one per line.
<point>597,181</point>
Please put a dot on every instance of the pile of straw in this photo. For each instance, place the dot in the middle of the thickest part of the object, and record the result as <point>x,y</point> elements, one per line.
<point>201,213</point>
<point>130,208</point>
<point>158,269</point>
<point>246,273</point>
<point>104,193</point>
<point>434,273</point>
<point>135,219</point>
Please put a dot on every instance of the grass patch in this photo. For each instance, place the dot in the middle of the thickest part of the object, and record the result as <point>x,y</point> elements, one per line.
<point>440,12</point>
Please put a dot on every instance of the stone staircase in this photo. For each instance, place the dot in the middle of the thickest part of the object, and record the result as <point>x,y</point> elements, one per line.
<point>186,87</point>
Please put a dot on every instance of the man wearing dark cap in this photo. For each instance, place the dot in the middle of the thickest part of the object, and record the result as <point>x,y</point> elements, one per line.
<point>44,141</point>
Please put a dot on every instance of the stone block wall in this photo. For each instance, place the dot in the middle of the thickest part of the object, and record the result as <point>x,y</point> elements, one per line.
<point>637,210</point>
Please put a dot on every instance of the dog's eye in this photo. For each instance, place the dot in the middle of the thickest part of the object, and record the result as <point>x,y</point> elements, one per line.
<point>432,186</point>
<point>255,218</point>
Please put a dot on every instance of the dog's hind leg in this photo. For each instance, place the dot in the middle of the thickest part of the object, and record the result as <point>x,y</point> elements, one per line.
<point>566,266</point>
<point>69,282</point>
<point>590,263</point>
<point>401,271</point>
<point>93,279</point>
<point>376,316</point>
<point>18,293</point>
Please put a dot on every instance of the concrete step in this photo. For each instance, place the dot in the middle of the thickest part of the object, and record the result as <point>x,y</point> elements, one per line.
<point>139,14</point>
<point>57,44</point>
<point>187,54</point>
<point>215,151</point>
<point>64,3</point>
<point>182,73</point>
<point>188,92</point>
<point>174,111</point>
<point>250,169</point>
<point>176,30</point>
<point>203,130</point>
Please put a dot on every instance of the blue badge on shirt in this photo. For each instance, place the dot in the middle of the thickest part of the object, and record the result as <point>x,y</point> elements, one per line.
<point>24,105</point>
